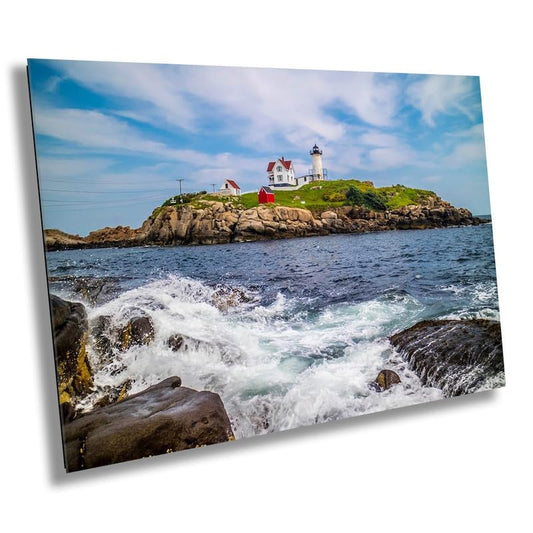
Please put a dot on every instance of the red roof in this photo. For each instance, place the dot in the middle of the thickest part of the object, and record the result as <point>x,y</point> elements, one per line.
<point>233,184</point>
<point>286,164</point>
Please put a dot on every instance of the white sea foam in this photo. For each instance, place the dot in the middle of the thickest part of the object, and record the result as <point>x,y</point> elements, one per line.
<point>481,301</point>
<point>276,366</point>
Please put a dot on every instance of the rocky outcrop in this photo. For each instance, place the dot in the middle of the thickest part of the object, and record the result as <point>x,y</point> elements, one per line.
<point>220,223</point>
<point>55,239</point>
<point>74,375</point>
<point>457,356</point>
<point>161,419</point>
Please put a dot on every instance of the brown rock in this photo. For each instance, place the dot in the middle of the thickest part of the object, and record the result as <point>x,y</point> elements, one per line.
<point>138,331</point>
<point>161,419</point>
<point>386,379</point>
<point>69,324</point>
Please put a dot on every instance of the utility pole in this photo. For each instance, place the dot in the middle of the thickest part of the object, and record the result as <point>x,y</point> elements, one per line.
<point>180,180</point>
<point>213,185</point>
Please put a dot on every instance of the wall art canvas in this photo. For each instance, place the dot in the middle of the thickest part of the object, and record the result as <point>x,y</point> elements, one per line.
<point>233,252</point>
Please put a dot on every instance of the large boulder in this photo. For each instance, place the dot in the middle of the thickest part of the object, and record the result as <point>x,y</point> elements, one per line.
<point>457,356</point>
<point>69,324</point>
<point>161,419</point>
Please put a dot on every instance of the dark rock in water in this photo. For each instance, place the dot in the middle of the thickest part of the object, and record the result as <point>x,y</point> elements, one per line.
<point>74,374</point>
<point>226,297</point>
<point>138,331</point>
<point>183,343</point>
<point>386,379</point>
<point>161,419</point>
<point>457,356</point>
<point>175,342</point>
<point>95,290</point>
<point>91,289</point>
<point>101,335</point>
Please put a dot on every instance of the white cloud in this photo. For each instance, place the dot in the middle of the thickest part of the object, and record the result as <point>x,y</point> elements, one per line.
<point>294,104</point>
<point>383,151</point>
<point>434,95</point>
<point>99,133</point>
<point>375,138</point>
<point>475,132</point>
<point>152,88</point>
<point>52,83</point>
<point>468,146</point>
<point>61,167</point>
<point>466,153</point>
<point>255,105</point>
<point>386,158</point>
<point>90,129</point>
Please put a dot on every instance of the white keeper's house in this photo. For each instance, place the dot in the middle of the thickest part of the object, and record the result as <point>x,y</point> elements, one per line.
<point>281,171</point>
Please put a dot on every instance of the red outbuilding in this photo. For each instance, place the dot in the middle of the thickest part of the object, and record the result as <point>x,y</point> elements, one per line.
<point>266,195</point>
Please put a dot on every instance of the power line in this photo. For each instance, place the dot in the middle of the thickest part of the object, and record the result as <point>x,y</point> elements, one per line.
<point>99,192</point>
<point>58,203</point>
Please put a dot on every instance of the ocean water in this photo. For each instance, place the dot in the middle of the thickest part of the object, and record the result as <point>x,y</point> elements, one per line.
<point>311,334</point>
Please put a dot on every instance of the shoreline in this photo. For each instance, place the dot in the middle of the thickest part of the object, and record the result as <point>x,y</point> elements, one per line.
<point>221,223</point>
<point>116,246</point>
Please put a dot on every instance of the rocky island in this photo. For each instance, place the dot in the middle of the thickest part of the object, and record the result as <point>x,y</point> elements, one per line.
<point>207,219</point>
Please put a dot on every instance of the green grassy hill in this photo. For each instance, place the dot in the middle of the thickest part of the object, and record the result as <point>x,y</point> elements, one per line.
<point>318,196</point>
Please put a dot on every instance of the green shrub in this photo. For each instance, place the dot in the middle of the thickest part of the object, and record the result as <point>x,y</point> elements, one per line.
<point>355,196</point>
<point>374,201</point>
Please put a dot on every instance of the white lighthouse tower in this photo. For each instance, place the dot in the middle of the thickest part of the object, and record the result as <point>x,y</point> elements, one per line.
<point>317,171</point>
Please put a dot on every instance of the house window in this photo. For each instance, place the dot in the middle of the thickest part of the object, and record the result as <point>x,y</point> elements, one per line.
<point>279,178</point>
<point>278,169</point>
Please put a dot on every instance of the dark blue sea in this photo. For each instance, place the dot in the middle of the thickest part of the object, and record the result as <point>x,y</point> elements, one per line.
<point>289,332</point>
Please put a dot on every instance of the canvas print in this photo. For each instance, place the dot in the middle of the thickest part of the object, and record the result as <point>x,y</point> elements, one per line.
<point>233,252</point>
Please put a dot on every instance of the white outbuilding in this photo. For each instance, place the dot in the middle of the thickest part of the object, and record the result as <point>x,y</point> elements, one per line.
<point>230,188</point>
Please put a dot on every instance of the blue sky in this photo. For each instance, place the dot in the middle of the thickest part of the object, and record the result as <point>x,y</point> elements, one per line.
<point>113,138</point>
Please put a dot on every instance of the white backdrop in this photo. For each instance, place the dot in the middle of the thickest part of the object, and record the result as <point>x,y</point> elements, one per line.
<point>462,464</point>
